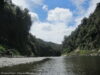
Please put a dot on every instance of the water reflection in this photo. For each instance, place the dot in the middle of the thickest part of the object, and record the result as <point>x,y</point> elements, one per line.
<point>53,67</point>
<point>58,66</point>
<point>83,65</point>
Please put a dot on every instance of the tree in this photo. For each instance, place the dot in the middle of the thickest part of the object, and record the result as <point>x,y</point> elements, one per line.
<point>1,4</point>
<point>87,34</point>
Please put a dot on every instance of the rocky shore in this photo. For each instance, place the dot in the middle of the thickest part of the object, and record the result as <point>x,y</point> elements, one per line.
<point>4,61</point>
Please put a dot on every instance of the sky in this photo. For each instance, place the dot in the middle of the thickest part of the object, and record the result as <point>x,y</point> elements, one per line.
<point>54,19</point>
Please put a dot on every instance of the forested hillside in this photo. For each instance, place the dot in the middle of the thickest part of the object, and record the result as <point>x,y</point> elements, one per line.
<point>87,34</point>
<point>42,48</point>
<point>15,38</point>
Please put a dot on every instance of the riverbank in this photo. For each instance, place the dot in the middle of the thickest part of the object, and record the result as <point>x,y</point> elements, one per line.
<point>4,61</point>
<point>83,53</point>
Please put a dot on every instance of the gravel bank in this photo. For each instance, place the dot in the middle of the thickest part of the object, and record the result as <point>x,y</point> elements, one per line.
<point>15,61</point>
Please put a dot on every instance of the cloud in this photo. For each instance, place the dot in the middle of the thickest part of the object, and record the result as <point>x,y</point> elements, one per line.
<point>57,22</point>
<point>34,16</point>
<point>78,2</point>
<point>92,7</point>
<point>90,10</point>
<point>78,20</point>
<point>37,2</point>
<point>79,6</point>
<point>45,7</point>
<point>51,30</point>
<point>21,3</point>
<point>59,15</point>
<point>28,3</point>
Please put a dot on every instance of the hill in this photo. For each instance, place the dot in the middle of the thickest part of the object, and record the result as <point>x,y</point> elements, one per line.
<point>15,38</point>
<point>87,34</point>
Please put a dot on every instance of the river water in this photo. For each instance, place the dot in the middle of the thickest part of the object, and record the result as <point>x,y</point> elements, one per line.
<point>82,65</point>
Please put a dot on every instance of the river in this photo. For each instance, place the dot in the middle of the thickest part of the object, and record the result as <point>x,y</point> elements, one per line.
<point>69,65</point>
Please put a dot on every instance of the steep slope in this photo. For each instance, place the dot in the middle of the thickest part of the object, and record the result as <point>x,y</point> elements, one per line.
<point>43,48</point>
<point>15,38</point>
<point>86,36</point>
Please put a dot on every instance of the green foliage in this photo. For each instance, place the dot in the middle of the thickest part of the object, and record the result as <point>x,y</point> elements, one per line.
<point>15,52</point>
<point>15,24</point>
<point>2,48</point>
<point>87,34</point>
<point>84,52</point>
<point>42,48</point>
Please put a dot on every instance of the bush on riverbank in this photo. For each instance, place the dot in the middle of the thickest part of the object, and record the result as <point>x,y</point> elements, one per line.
<point>8,52</point>
<point>2,48</point>
<point>83,53</point>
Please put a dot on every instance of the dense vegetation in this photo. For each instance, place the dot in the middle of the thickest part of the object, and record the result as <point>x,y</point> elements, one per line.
<point>87,34</point>
<point>15,38</point>
<point>42,48</point>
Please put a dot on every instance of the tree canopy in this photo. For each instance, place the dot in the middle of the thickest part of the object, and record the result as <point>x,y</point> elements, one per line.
<point>15,24</point>
<point>87,34</point>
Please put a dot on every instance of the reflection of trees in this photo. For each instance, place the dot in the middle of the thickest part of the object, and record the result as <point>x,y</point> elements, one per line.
<point>83,65</point>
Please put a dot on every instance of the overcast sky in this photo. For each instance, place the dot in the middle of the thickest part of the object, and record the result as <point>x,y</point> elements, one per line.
<point>53,19</point>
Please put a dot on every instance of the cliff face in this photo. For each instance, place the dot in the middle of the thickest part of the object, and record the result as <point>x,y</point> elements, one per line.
<point>87,35</point>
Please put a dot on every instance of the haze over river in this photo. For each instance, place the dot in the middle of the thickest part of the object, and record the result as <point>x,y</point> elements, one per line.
<point>68,65</point>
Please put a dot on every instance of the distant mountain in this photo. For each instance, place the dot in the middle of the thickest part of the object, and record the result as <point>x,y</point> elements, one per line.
<point>43,48</point>
<point>86,36</point>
